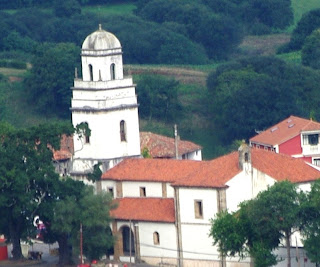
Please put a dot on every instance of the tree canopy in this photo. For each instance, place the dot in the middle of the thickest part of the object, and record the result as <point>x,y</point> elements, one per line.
<point>158,97</point>
<point>259,225</point>
<point>252,94</point>
<point>27,177</point>
<point>310,53</point>
<point>51,77</point>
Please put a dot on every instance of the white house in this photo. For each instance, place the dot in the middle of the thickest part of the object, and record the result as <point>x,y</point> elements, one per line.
<point>165,205</point>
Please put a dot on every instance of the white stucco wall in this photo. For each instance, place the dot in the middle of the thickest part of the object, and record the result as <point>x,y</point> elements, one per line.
<point>167,247</point>
<point>105,142</point>
<point>195,155</point>
<point>187,196</point>
<point>132,189</point>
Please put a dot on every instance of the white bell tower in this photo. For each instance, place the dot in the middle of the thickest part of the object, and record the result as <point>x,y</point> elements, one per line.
<point>106,101</point>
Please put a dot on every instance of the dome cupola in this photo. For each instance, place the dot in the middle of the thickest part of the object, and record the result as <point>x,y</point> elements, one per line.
<point>101,40</point>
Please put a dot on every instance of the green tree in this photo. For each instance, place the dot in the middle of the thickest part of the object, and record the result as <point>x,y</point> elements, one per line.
<point>51,77</point>
<point>260,91</point>
<point>75,204</point>
<point>311,223</point>
<point>66,8</point>
<point>219,34</point>
<point>259,225</point>
<point>310,53</point>
<point>27,177</point>
<point>158,97</point>
<point>309,22</point>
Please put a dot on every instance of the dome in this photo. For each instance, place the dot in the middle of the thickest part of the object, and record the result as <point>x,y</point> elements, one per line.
<point>101,40</point>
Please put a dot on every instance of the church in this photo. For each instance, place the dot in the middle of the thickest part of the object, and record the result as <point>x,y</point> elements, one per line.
<point>105,101</point>
<point>165,203</point>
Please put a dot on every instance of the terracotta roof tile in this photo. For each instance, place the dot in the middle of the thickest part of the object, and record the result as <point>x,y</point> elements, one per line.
<point>283,167</point>
<point>285,130</point>
<point>145,209</point>
<point>160,146</point>
<point>66,148</point>
<point>160,170</point>
<point>214,173</point>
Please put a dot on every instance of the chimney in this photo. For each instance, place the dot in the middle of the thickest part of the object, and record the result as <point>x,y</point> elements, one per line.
<point>244,154</point>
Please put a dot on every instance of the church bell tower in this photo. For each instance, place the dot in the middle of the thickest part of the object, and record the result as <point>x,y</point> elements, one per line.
<point>106,102</point>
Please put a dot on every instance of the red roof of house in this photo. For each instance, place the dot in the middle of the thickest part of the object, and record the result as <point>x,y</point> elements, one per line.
<point>66,148</point>
<point>160,146</point>
<point>145,209</point>
<point>214,173</point>
<point>285,130</point>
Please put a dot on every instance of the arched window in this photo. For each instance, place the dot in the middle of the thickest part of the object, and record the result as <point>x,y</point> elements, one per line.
<point>156,238</point>
<point>91,72</point>
<point>123,137</point>
<point>113,71</point>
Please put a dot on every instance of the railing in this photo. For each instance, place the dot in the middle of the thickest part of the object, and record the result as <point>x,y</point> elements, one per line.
<point>310,149</point>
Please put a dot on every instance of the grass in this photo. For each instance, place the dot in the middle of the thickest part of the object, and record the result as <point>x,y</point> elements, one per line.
<point>300,7</point>
<point>293,57</point>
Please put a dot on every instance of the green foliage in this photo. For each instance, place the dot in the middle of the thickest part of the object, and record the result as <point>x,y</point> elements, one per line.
<point>27,176</point>
<point>310,53</point>
<point>311,222</point>
<point>96,174</point>
<point>69,211</point>
<point>51,77</point>
<point>260,92</point>
<point>66,8</point>
<point>259,225</point>
<point>13,64</point>
<point>217,34</point>
<point>258,16</point>
<point>308,23</point>
<point>158,97</point>
<point>145,153</point>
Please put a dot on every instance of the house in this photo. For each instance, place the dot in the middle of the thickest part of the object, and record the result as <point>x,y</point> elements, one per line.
<point>160,146</point>
<point>297,137</point>
<point>165,205</point>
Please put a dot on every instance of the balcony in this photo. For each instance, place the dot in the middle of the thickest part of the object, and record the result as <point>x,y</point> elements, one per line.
<point>311,149</point>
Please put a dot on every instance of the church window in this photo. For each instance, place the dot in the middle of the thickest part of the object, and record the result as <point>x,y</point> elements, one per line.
<point>113,71</point>
<point>156,238</point>
<point>142,192</point>
<point>91,72</point>
<point>198,209</point>
<point>123,131</point>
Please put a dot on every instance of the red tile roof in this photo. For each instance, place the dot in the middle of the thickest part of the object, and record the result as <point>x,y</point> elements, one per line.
<point>160,146</point>
<point>66,149</point>
<point>285,130</point>
<point>214,173</point>
<point>145,209</point>
<point>283,167</point>
<point>160,170</point>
